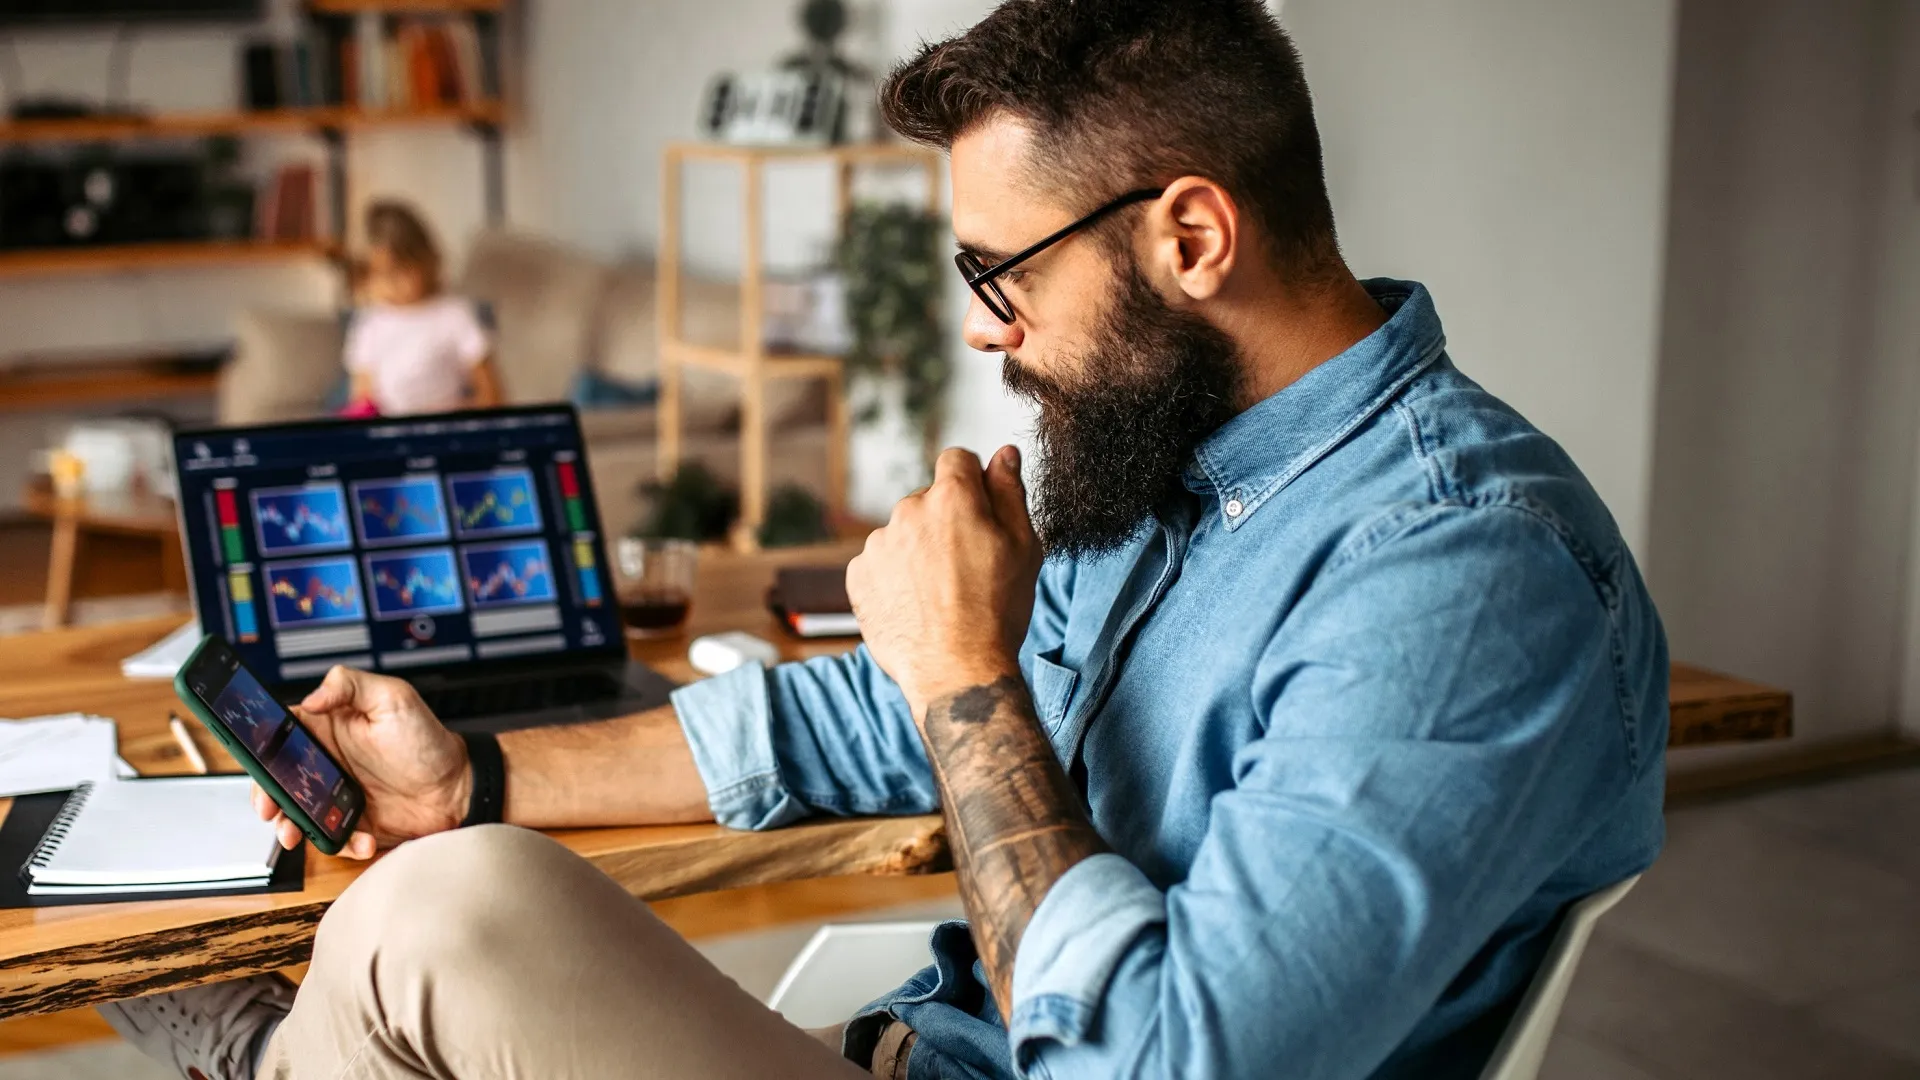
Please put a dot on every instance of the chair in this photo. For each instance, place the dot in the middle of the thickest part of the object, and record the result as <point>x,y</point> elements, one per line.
<point>1524,1045</point>
<point>846,965</point>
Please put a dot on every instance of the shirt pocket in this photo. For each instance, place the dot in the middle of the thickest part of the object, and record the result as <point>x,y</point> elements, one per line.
<point>1052,685</point>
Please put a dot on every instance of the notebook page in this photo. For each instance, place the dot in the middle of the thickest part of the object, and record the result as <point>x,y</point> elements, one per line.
<point>189,829</point>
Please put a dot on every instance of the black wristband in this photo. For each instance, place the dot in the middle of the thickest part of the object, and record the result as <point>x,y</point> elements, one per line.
<point>487,803</point>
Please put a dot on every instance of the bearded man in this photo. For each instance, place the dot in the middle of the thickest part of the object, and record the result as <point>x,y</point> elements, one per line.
<point>1275,743</point>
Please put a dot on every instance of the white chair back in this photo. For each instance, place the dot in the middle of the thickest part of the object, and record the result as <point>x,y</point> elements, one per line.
<point>1524,1046</point>
<point>847,965</point>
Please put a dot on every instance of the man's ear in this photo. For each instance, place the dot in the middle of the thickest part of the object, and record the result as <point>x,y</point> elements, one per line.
<point>1195,235</point>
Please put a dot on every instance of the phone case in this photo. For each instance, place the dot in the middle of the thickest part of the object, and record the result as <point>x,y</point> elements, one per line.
<point>315,835</point>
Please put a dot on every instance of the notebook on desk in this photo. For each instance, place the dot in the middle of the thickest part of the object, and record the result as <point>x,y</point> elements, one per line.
<point>153,836</point>
<point>29,820</point>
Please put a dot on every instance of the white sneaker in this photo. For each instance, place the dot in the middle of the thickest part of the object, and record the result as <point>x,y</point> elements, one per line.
<point>212,1032</point>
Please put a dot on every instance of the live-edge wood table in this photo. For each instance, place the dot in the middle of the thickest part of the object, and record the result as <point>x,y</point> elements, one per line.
<point>63,957</point>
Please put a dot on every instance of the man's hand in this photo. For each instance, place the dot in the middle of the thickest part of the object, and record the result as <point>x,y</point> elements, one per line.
<point>413,770</point>
<point>944,592</point>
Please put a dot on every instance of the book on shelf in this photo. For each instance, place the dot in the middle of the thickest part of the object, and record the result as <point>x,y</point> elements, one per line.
<point>288,74</point>
<point>287,211</point>
<point>348,76</point>
<point>305,84</point>
<point>372,49</point>
<point>386,63</point>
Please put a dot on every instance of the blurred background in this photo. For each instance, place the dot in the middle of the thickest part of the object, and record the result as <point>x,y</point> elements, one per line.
<point>1682,236</point>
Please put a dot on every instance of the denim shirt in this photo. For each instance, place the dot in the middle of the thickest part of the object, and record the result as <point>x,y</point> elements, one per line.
<point>1359,716</point>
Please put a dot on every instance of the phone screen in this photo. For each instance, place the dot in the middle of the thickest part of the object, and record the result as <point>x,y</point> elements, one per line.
<point>289,752</point>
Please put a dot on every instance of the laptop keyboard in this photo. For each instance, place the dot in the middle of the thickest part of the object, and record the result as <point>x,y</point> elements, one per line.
<point>522,695</point>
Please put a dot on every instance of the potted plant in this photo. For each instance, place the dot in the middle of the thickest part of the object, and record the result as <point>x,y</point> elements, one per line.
<point>889,262</point>
<point>693,505</point>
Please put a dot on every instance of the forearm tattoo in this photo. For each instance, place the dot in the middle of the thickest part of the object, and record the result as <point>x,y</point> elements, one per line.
<point>1014,820</point>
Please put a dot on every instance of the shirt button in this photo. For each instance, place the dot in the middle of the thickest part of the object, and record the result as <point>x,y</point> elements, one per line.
<point>1234,507</point>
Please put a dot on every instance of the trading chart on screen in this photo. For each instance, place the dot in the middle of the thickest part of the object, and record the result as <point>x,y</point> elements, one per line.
<point>509,574</point>
<point>495,503</point>
<point>408,510</point>
<point>297,520</point>
<point>410,583</point>
<point>312,592</point>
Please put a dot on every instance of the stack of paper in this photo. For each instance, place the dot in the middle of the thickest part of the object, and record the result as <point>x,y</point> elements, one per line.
<point>54,753</point>
<point>164,657</point>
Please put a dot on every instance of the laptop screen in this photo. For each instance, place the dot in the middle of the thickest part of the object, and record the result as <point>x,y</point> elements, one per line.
<point>397,545</point>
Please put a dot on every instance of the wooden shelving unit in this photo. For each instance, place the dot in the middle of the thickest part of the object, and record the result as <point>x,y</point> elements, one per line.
<point>403,7</point>
<point>193,125</point>
<point>332,124</point>
<point>83,381</point>
<point>122,258</point>
<point>749,361</point>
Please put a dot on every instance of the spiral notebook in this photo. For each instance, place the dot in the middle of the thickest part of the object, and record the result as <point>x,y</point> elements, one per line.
<point>135,836</point>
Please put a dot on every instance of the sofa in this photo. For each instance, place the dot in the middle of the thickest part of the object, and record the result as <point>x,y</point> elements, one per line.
<point>567,326</point>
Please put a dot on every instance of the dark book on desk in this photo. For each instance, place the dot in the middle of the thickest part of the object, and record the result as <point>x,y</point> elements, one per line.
<point>811,601</point>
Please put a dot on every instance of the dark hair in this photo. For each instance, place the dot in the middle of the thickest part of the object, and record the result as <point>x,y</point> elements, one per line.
<point>1137,93</point>
<point>395,226</point>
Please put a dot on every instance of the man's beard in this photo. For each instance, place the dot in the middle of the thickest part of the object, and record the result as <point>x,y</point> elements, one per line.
<point>1114,441</point>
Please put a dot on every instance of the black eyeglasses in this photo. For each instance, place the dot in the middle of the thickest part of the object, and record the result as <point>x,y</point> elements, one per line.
<point>979,275</point>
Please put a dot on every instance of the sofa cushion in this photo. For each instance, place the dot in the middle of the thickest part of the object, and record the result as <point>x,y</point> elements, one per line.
<point>284,365</point>
<point>629,349</point>
<point>544,298</point>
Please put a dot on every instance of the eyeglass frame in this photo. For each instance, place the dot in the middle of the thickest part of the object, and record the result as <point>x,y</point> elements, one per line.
<point>979,278</point>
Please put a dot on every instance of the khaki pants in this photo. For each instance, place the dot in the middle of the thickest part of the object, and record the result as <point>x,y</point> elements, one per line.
<point>495,952</point>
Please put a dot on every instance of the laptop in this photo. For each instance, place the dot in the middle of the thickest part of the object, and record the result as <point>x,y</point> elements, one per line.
<point>462,552</point>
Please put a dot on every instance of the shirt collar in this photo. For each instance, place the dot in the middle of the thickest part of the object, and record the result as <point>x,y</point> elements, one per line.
<point>1251,457</point>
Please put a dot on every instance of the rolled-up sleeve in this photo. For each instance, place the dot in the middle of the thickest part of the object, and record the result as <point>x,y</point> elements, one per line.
<point>1442,714</point>
<point>831,735</point>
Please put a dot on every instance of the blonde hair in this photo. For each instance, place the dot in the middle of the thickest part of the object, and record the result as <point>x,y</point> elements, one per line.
<point>395,226</point>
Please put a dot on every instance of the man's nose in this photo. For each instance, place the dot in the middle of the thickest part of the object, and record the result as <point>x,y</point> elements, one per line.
<point>984,331</point>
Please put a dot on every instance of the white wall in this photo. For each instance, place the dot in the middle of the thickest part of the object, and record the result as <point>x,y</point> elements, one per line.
<point>981,415</point>
<point>1788,396</point>
<point>1512,155</point>
<point>1897,321</point>
<point>1894,349</point>
<point>610,82</point>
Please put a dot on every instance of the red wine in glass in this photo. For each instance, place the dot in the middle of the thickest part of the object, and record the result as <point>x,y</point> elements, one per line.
<point>654,611</point>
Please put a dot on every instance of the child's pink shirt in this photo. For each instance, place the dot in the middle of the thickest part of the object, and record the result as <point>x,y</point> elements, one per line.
<point>420,357</point>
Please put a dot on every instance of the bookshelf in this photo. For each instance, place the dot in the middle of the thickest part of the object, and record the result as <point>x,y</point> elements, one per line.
<point>299,121</point>
<point>469,93</point>
<point>32,383</point>
<point>129,258</point>
<point>750,361</point>
<point>404,7</point>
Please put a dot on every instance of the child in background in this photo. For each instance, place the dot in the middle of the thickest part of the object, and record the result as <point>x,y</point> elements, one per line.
<point>409,348</point>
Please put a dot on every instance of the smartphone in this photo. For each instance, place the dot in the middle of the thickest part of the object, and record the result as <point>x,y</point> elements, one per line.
<point>279,753</point>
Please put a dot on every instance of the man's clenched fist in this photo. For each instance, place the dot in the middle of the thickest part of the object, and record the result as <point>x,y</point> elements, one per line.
<point>944,592</point>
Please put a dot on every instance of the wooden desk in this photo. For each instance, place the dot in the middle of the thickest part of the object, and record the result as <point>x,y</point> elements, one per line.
<point>1707,708</point>
<point>58,958</point>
